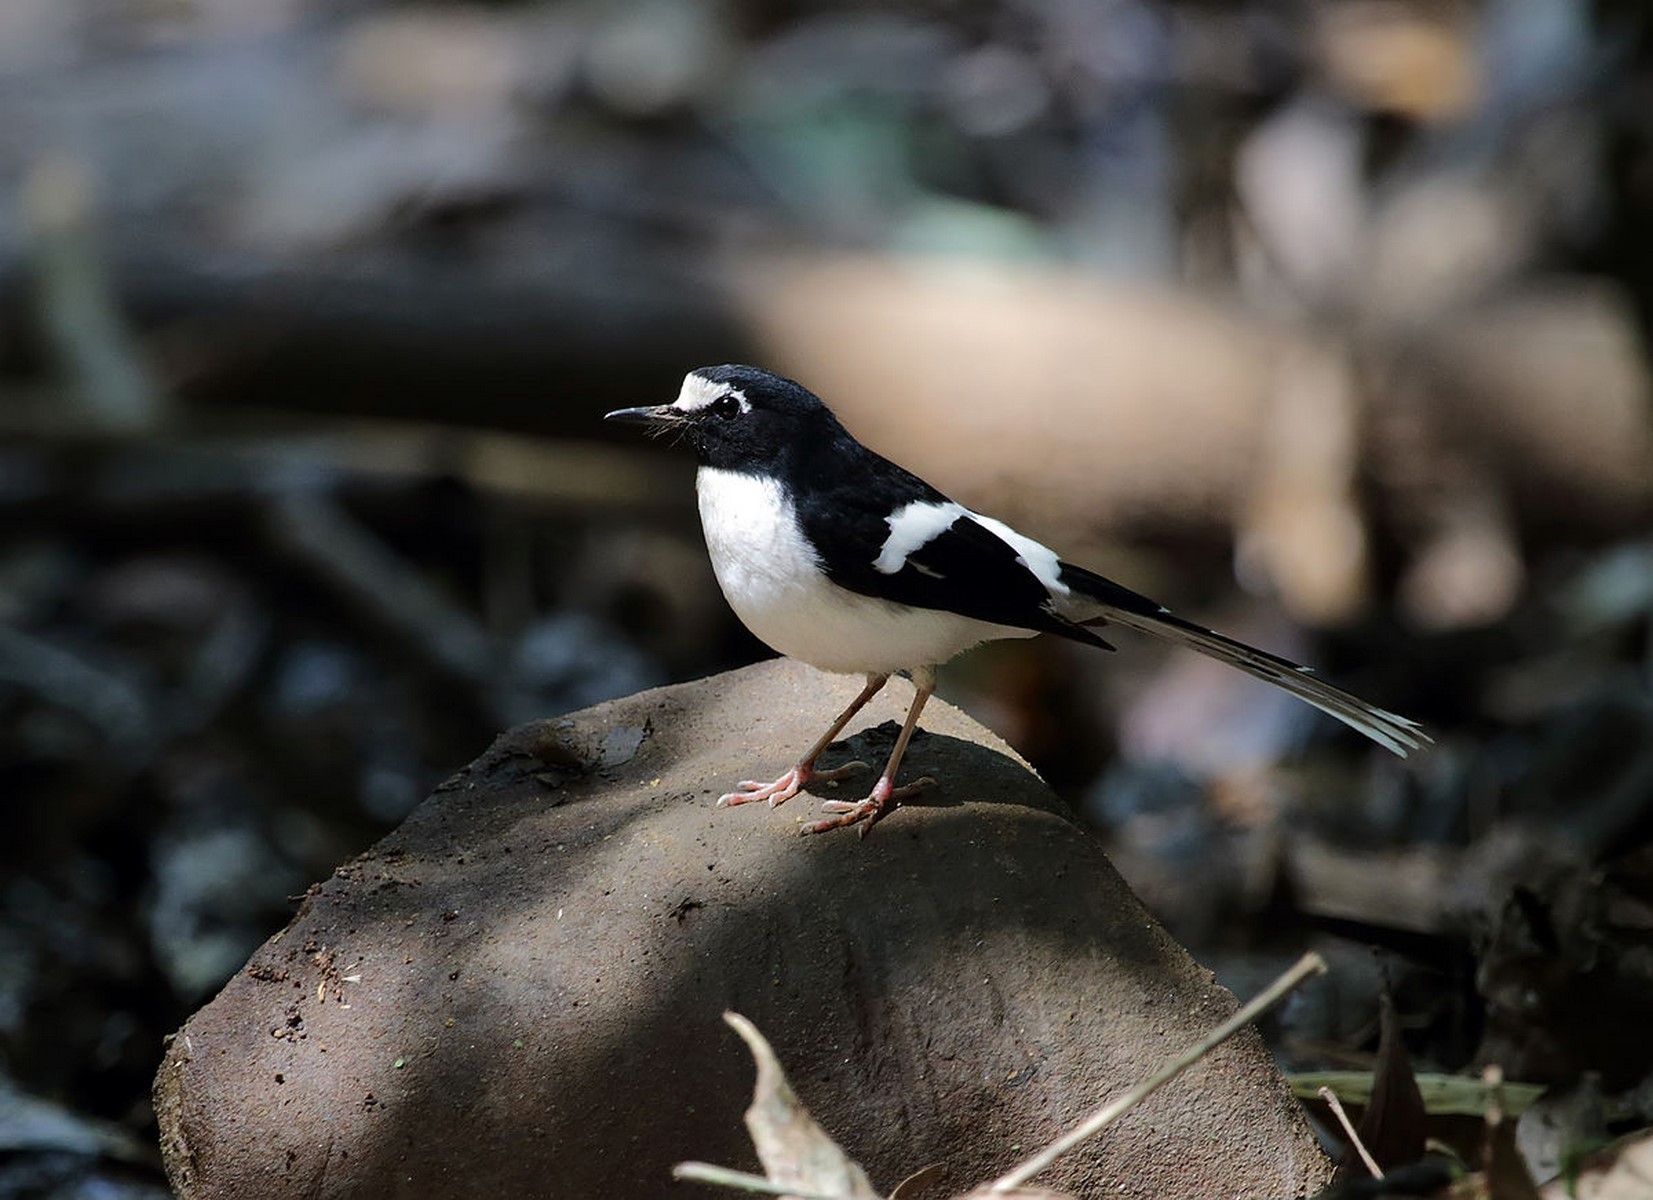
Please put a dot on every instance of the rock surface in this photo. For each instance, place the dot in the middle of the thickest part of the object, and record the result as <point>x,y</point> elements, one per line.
<point>518,992</point>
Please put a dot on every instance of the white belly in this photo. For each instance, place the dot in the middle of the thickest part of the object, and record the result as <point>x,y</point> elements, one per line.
<point>769,575</point>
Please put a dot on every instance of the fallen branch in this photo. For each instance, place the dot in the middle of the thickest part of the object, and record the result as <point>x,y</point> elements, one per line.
<point>1349,1131</point>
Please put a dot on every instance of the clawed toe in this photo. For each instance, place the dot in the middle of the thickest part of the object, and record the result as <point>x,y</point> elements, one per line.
<point>842,772</point>
<point>867,813</point>
<point>781,790</point>
<point>751,792</point>
<point>885,795</point>
<point>777,792</point>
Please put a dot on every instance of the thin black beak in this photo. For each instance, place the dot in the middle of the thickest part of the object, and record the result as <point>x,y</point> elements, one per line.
<point>658,414</point>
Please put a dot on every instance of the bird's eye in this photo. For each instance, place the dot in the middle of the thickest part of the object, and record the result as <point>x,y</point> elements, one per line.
<point>726,407</point>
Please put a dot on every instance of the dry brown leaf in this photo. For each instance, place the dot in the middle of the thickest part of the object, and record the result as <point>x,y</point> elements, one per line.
<point>1415,60</point>
<point>1621,1171</point>
<point>921,1182</point>
<point>1395,1124</point>
<point>794,1150</point>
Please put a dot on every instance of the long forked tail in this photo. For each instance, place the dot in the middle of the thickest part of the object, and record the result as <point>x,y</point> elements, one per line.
<point>1121,606</point>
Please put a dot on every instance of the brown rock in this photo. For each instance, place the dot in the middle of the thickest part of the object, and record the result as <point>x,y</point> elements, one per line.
<point>518,992</point>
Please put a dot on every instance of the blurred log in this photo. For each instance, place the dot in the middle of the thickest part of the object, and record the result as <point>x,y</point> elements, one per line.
<point>112,389</point>
<point>1041,394</point>
<point>370,211</point>
<point>61,471</point>
<point>530,345</point>
<point>1550,386</point>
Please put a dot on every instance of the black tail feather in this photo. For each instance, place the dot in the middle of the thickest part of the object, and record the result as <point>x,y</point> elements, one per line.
<point>1120,606</point>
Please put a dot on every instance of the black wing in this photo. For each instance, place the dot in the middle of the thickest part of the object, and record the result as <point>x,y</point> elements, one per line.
<point>965,568</point>
<point>847,494</point>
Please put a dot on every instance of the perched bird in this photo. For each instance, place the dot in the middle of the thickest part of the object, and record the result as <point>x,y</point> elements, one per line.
<point>836,556</point>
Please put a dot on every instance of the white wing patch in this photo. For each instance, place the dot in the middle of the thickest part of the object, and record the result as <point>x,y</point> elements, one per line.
<point>698,392</point>
<point>1035,556</point>
<point>912,527</point>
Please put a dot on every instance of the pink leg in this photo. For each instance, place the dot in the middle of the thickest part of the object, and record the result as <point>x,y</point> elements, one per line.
<point>885,797</point>
<point>786,787</point>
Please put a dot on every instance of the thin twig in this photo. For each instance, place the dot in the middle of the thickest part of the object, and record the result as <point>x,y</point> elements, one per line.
<point>1336,1105</point>
<point>1309,964</point>
<point>354,562</point>
<point>117,706</point>
<point>699,1172</point>
<point>1492,1076</point>
<point>114,389</point>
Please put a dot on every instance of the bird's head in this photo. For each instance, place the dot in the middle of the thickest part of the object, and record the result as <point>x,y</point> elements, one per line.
<point>735,417</point>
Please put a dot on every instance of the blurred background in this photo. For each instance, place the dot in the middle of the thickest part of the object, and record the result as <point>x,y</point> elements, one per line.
<point>1327,324</point>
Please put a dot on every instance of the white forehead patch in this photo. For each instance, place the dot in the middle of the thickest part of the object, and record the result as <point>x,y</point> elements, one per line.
<point>699,392</point>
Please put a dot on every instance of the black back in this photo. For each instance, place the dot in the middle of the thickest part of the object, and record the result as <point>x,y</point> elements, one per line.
<point>844,494</point>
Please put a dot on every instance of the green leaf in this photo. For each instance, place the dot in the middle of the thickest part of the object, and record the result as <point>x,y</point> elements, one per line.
<point>1443,1095</point>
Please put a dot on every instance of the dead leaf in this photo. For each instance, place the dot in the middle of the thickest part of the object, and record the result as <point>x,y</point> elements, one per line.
<point>920,1182</point>
<point>1550,1133</point>
<point>1394,1126</point>
<point>794,1150</point>
<point>1621,1171</point>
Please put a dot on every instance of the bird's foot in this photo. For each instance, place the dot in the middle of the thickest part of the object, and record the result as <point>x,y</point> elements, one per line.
<point>787,786</point>
<point>885,799</point>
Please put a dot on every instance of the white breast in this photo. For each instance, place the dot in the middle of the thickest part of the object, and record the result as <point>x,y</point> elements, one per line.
<point>773,581</point>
